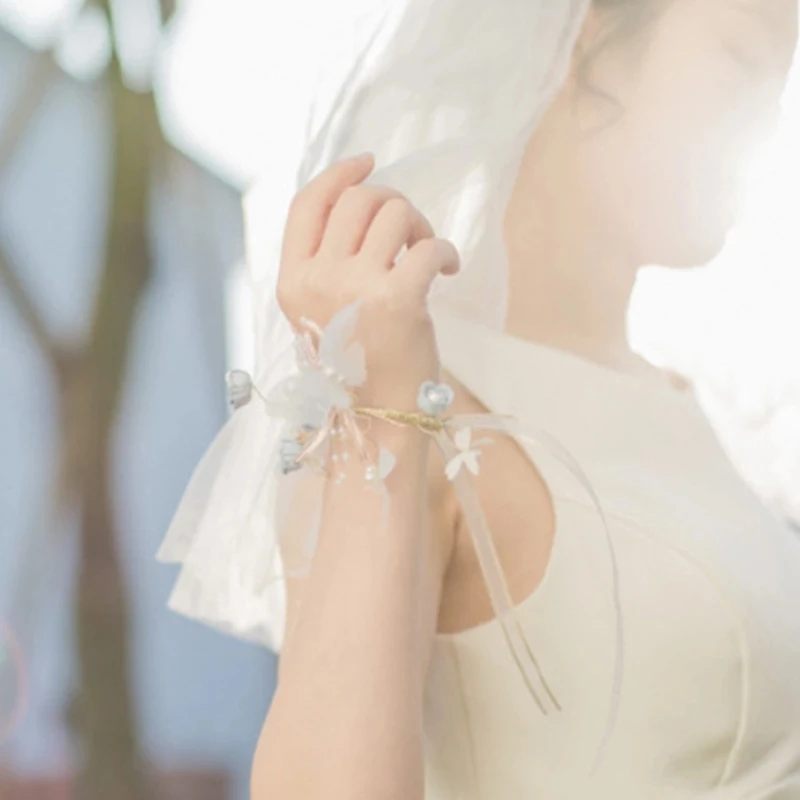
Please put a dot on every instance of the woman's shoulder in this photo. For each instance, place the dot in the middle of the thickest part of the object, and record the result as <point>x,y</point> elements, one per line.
<point>515,501</point>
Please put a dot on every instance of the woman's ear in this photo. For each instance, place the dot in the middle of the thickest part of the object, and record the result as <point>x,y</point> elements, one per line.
<point>597,76</point>
<point>588,40</point>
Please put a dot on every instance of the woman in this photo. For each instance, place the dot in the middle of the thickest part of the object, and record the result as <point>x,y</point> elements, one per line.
<point>559,147</point>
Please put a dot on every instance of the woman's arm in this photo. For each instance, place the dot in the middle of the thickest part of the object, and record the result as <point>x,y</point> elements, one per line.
<point>346,719</point>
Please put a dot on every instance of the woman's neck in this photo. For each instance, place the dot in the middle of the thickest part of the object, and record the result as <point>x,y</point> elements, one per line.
<point>568,285</point>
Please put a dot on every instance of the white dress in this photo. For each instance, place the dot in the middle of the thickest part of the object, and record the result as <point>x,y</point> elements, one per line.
<point>710,590</point>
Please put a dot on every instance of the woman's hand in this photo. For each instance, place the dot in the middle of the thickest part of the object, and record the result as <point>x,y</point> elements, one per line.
<point>341,244</point>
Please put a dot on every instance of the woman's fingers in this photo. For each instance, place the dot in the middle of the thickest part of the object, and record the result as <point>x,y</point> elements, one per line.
<point>312,205</point>
<point>397,224</point>
<point>351,217</point>
<point>416,270</point>
<point>339,233</point>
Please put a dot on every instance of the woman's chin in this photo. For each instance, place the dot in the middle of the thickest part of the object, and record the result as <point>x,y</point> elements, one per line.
<point>685,252</point>
<point>696,242</point>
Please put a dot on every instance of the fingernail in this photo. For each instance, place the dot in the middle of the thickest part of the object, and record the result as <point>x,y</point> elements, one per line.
<point>366,156</point>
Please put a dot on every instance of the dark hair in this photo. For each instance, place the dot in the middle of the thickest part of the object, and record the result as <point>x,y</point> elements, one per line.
<point>623,21</point>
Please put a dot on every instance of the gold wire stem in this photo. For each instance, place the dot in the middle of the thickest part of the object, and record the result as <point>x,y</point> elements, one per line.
<point>424,422</point>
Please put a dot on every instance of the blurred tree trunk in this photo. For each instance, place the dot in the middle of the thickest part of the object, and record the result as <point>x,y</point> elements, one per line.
<point>90,379</point>
<point>113,768</point>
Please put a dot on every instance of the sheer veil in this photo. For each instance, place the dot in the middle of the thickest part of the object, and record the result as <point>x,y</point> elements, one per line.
<point>446,95</point>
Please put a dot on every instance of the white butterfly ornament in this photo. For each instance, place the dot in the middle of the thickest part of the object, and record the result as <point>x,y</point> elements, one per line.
<point>467,455</point>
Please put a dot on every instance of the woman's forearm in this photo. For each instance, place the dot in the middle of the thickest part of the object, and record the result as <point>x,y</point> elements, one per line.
<point>346,719</point>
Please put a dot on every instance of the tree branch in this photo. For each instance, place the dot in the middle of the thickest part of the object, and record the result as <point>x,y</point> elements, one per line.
<point>168,8</point>
<point>29,99</point>
<point>30,315</point>
<point>34,88</point>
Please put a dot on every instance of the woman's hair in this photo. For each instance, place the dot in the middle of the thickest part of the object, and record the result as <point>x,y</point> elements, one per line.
<point>622,22</point>
<point>625,19</point>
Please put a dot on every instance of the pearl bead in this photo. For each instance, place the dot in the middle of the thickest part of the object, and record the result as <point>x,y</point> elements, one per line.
<point>240,388</point>
<point>434,398</point>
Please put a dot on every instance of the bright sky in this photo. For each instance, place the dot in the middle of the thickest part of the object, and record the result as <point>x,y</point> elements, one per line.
<point>238,76</point>
<point>36,21</point>
<point>81,40</point>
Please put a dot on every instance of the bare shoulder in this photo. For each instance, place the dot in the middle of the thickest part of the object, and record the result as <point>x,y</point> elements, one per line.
<point>441,520</point>
<point>444,519</point>
<point>519,511</point>
<point>443,506</point>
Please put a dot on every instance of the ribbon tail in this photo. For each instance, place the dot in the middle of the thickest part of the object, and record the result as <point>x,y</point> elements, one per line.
<point>496,583</point>
<point>525,432</point>
<point>385,505</point>
<point>355,431</point>
<point>319,437</point>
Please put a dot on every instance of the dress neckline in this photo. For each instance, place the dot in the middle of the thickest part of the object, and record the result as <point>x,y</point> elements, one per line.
<point>551,356</point>
<point>658,380</point>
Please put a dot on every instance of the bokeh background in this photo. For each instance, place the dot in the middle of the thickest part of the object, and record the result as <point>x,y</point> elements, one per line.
<point>130,132</point>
